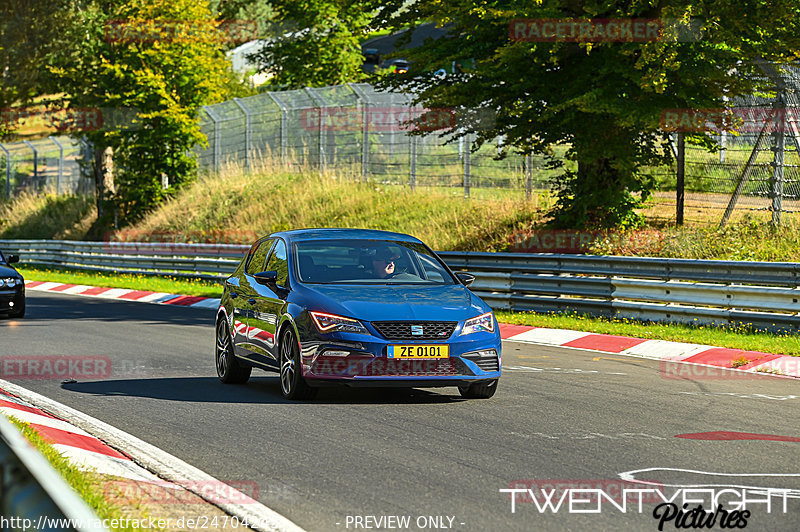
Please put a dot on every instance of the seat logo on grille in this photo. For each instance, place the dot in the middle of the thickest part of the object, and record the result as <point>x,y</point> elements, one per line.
<point>416,330</point>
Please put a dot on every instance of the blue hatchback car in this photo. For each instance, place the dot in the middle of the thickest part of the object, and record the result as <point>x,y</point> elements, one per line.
<point>355,307</point>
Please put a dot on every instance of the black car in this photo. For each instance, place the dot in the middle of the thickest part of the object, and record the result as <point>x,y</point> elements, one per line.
<point>12,288</point>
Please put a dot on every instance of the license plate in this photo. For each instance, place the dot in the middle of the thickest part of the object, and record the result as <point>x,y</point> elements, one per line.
<point>419,351</point>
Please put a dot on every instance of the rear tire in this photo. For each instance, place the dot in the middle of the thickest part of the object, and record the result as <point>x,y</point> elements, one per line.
<point>229,369</point>
<point>479,390</point>
<point>293,385</point>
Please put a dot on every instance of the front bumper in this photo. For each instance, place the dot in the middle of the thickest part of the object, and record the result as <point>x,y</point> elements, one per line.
<point>358,359</point>
<point>7,297</point>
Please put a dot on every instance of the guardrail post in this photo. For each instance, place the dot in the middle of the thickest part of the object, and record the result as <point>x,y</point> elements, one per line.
<point>60,163</point>
<point>35,160</point>
<point>247,132</point>
<point>8,170</point>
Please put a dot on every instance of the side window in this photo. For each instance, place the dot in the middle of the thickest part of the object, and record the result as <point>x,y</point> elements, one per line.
<point>277,262</point>
<point>433,270</point>
<point>258,257</point>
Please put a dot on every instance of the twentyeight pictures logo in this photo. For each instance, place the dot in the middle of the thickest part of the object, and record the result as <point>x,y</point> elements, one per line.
<point>695,507</point>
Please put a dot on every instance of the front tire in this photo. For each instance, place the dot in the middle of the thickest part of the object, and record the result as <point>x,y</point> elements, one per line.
<point>479,390</point>
<point>229,370</point>
<point>293,385</point>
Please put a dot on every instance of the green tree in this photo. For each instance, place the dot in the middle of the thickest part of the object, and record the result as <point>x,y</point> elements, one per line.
<point>30,31</point>
<point>153,63</point>
<point>602,99</point>
<point>317,42</point>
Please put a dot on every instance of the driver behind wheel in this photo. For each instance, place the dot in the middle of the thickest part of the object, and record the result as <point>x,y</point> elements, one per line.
<point>383,262</point>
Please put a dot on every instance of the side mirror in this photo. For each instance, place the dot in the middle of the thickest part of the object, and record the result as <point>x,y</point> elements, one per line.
<point>13,258</point>
<point>465,278</point>
<point>270,277</point>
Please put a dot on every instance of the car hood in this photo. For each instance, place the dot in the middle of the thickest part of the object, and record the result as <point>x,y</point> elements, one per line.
<point>400,302</point>
<point>7,271</point>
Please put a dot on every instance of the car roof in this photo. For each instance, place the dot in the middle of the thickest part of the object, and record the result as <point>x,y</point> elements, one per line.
<point>336,233</point>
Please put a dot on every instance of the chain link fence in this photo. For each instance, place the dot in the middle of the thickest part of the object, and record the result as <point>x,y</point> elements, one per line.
<point>50,165</point>
<point>362,133</point>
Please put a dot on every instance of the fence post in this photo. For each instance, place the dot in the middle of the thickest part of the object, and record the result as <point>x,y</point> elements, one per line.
<point>8,170</point>
<point>60,163</point>
<point>363,101</point>
<point>247,132</point>
<point>748,169</point>
<point>217,151</point>
<point>467,145</point>
<point>35,160</point>
<point>321,106</point>
<point>284,125</point>
<point>776,181</point>
<point>680,180</point>
<point>412,174</point>
<point>87,163</point>
<point>528,177</point>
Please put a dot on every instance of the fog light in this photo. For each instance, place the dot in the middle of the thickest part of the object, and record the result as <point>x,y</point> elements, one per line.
<point>486,353</point>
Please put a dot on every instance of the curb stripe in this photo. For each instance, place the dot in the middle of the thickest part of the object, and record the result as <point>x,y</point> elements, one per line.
<point>88,443</point>
<point>605,342</point>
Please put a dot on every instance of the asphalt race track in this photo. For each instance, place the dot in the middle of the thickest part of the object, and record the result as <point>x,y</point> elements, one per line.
<point>352,457</point>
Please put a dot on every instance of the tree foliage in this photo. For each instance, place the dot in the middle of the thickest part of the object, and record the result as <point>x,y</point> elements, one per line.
<point>30,31</point>
<point>603,99</point>
<point>316,42</point>
<point>148,65</point>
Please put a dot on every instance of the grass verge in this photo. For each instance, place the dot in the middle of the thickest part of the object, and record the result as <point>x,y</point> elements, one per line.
<point>83,482</point>
<point>170,285</point>
<point>734,337</point>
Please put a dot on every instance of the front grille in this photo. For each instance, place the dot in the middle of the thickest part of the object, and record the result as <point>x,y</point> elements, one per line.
<point>390,367</point>
<point>489,363</point>
<point>402,330</point>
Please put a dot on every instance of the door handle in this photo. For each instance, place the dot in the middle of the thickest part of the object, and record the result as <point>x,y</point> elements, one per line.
<point>251,301</point>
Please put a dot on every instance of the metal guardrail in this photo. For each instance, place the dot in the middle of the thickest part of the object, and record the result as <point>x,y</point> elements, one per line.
<point>33,496</point>
<point>765,294</point>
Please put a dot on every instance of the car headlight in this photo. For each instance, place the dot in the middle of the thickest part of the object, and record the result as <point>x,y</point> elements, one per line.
<point>9,282</point>
<point>332,323</point>
<point>484,322</point>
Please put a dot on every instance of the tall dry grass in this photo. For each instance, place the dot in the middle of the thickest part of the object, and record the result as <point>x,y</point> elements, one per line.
<point>239,205</point>
<point>46,216</point>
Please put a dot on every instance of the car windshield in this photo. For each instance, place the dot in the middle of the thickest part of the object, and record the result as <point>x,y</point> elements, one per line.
<point>368,262</point>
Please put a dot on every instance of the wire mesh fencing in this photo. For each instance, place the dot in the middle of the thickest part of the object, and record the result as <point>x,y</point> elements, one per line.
<point>49,165</point>
<point>362,133</point>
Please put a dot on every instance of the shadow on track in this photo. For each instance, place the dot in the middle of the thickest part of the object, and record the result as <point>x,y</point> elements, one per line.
<point>260,390</point>
<point>43,309</point>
